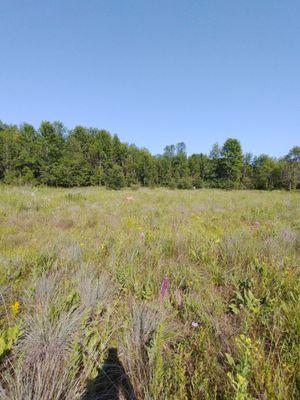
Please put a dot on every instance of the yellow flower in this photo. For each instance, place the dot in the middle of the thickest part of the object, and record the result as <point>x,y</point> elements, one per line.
<point>15,308</point>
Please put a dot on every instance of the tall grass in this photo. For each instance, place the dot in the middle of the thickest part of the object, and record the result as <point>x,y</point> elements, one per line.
<point>197,290</point>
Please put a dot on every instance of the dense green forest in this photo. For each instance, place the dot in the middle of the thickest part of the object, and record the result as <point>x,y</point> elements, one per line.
<point>54,156</point>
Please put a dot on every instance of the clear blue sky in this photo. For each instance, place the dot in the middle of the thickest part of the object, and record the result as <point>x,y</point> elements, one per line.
<point>158,71</point>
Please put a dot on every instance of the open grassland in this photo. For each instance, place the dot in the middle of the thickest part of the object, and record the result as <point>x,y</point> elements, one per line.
<point>197,290</point>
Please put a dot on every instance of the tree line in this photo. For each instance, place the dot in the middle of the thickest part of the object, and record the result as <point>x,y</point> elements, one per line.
<point>54,156</point>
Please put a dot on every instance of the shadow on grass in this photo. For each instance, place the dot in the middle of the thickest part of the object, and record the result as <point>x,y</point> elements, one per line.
<point>111,382</point>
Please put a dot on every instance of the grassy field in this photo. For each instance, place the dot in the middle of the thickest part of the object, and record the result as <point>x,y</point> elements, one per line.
<point>167,294</point>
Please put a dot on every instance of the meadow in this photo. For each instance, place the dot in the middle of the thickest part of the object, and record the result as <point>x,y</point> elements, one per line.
<point>149,294</point>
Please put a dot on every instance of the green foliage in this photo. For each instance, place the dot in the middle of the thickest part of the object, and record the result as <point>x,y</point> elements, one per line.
<point>83,156</point>
<point>263,169</point>
<point>231,162</point>
<point>115,178</point>
<point>241,374</point>
<point>244,298</point>
<point>291,168</point>
<point>8,337</point>
<point>184,183</point>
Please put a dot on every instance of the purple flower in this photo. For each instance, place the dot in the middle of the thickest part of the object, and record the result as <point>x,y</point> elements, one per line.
<point>164,287</point>
<point>142,235</point>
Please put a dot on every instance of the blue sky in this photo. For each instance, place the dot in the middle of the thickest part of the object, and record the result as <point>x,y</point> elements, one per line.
<point>156,72</point>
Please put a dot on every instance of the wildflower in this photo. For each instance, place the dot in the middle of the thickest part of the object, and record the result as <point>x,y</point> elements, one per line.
<point>15,308</point>
<point>257,224</point>
<point>195,324</point>
<point>142,235</point>
<point>164,287</point>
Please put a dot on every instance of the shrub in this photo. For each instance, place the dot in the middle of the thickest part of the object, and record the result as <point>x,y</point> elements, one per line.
<point>184,183</point>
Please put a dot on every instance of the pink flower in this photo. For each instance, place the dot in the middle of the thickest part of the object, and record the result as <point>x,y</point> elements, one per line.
<point>164,287</point>
<point>195,324</point>
<point>142,235</point>
<point>257,224</point>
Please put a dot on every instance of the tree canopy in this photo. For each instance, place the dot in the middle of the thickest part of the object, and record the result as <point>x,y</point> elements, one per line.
<point>55,156</point>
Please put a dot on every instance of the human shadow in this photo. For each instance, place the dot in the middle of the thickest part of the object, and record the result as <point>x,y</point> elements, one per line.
<point>111,381</point>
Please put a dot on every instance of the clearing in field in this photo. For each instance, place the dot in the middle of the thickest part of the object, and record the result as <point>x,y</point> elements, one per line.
<point>148,294</point>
